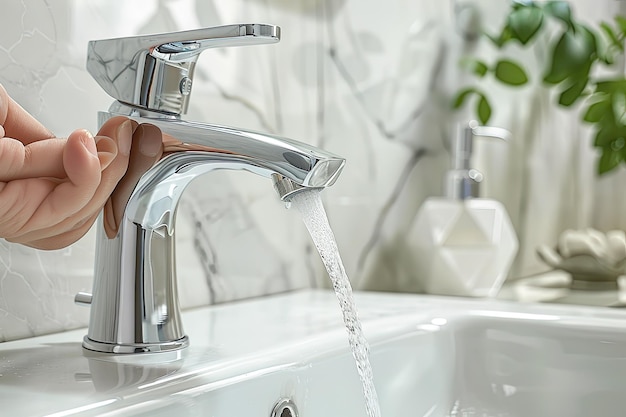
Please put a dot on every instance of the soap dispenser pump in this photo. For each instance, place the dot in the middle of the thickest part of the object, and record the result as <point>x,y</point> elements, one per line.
<point>462,244</point>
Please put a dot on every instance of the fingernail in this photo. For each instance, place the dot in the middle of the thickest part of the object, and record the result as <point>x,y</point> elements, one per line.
<point>1,131</point>
<point>89,143</point>
<point>150,140</point>
<point>125,137</point>
<point>107,151</point>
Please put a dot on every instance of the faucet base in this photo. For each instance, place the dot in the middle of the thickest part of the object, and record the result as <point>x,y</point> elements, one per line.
<point>104,347</point>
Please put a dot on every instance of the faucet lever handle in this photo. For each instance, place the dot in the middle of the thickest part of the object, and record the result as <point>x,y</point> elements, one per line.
<point>155,72</point>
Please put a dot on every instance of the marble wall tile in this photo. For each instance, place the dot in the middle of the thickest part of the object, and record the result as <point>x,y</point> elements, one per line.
<point>366,79</point>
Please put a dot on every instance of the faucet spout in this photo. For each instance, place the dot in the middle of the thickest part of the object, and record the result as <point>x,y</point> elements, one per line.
<point>261,153</point>
<point>194,148</point>
<point>135,274</point>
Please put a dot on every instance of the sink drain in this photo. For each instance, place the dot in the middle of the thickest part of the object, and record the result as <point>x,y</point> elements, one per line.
<point>285,408</point>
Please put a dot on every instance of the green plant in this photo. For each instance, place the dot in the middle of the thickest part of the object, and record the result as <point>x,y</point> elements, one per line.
<point>575,52</point>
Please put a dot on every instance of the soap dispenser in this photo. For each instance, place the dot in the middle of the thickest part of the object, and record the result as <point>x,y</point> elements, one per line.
<point>463,245</point>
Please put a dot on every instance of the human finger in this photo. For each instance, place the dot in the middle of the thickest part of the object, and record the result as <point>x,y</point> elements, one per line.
<point>38,159</point>
<point>57,235</point>
<point>82,168</point>
<point>43,158</point>
<point>18,123</point>
<point>30,205</point>
<point>64,239</point>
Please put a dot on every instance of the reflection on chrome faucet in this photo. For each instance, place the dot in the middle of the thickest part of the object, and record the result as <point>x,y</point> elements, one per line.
<point>134,307</point>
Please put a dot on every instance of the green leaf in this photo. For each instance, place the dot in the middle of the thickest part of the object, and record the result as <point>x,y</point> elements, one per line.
<point>573,53</point>
<point>604,136</point>
<point>609,160</point>
<point>520,4</point>
<point>475,66</point>
<point>510,73</point>
<point>462,96</point>
<point>610,46</point>
<point>618,103</point>
<point>621,23</point>
<point>561,10</point>
<point>597,111</point>
<point>480,68</point>
<point>607,59</point>
<point>610,33</point>
<point>571,94</point>
<point>525,23</point>
<point>505,36</point>
<point>612,86</point>
<point>620,146</point>
<point>483,109</point>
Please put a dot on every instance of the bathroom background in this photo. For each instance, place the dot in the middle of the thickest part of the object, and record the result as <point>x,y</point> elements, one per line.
<point>369,80</point>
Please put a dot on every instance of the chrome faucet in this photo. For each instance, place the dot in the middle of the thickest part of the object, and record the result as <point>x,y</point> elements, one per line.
<point>134,306</point>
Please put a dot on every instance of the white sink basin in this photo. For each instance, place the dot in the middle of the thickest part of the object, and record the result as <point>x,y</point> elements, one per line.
<point>431,356</point>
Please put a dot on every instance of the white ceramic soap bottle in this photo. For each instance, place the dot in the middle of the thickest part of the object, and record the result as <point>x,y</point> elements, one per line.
<point>463,245</point>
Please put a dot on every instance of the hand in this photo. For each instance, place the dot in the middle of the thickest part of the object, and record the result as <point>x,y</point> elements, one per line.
<point>52,189</point>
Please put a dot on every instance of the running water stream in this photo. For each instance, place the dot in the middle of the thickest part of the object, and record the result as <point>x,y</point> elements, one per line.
<point>309,204</point>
